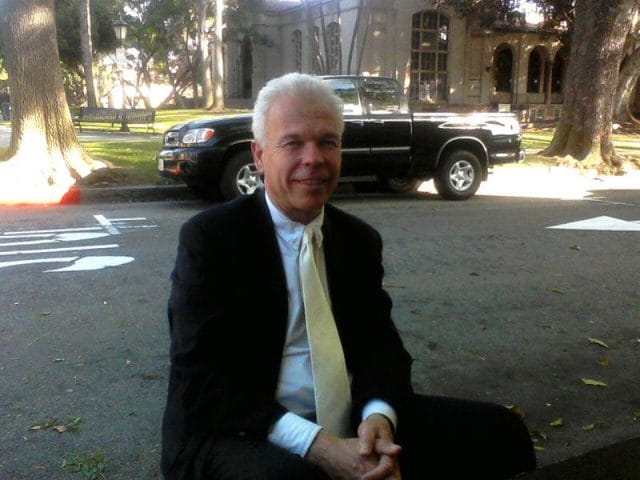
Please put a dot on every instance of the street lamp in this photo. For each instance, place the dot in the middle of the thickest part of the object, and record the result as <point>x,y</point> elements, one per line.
<point>120,30</point>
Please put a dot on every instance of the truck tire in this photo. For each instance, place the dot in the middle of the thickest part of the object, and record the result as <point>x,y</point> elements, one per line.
<point>403,184</point>
<point>240,176</point>
<point>458,176</point>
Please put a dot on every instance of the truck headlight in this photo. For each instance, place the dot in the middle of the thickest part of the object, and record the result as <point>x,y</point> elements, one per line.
<point>197,135</point>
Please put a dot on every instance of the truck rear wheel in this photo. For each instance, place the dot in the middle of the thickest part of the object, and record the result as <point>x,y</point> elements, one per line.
<point>240,176</point>
<point>458,176</point>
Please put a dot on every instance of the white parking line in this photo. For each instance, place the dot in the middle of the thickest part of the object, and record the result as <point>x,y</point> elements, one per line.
<point>68,249</point>
<point>108,226</point>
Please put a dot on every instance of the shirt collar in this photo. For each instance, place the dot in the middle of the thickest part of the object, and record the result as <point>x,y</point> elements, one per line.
<point>289,230</point>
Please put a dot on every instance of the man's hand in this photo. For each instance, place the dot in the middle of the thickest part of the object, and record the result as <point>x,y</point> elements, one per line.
<point>375,436</point>
<point>340,457</point>
<point>371,456</point>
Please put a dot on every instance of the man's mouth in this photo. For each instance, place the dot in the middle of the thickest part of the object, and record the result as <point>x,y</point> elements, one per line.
<point>312,181</point>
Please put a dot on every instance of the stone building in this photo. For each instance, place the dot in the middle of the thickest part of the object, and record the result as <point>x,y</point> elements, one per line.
<point>444,61</point>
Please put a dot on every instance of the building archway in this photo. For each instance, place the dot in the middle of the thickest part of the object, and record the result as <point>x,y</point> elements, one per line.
<point>503,69</point>
<point>537,77</point>
<point>558,70</point>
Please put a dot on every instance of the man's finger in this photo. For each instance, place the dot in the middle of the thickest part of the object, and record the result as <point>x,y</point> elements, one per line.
<point>366,438</point>
<point>385,447</point>
<point>385,468</point>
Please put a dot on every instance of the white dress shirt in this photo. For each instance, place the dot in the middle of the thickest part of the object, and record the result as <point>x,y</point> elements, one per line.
<point>296,430</point>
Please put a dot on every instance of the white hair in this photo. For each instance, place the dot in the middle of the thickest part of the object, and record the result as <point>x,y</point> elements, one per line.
<point>299,85</point>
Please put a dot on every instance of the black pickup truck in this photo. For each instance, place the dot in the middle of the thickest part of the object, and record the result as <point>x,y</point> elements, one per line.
<point>384,145</point>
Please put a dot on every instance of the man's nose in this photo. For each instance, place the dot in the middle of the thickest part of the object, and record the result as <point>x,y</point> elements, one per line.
<point>311,153</point>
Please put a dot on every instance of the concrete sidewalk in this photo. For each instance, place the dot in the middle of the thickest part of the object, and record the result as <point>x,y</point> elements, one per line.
<point>615,462</point>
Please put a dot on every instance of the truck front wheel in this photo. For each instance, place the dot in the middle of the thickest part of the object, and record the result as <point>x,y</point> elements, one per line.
<point>240,176</point>
<point>403,184</point>
<point>458,176</point>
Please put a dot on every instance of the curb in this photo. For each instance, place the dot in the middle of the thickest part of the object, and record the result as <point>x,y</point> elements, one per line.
<point>133,193</point>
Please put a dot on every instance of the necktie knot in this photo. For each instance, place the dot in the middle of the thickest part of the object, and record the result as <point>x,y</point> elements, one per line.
<point>312,236</point>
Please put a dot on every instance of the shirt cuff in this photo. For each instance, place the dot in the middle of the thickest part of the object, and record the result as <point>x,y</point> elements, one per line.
<point>294,433</point>
<point>383,408</point>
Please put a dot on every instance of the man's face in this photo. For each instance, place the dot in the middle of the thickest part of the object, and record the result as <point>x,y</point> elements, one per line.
<point>301,158</point>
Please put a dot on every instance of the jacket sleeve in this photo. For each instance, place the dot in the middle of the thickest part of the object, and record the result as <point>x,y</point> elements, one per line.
<point>213,386</point>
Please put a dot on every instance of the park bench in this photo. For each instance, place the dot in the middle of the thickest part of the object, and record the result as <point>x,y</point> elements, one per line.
<point>124,117</point>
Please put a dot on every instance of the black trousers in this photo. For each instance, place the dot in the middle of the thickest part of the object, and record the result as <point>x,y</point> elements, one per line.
<point>441,437</point>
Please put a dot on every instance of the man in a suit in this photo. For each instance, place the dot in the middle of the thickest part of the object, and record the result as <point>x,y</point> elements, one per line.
<point>255,391</point>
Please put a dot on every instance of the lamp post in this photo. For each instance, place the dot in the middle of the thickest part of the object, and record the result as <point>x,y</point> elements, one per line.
<point>120,30</point>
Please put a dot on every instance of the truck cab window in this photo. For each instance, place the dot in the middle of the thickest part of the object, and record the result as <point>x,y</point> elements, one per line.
<point>382,96</point>
<point>347,92</point>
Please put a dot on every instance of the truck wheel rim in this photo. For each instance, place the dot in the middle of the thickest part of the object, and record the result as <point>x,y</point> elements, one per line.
<point>461,175</point>
<point>248,179</point>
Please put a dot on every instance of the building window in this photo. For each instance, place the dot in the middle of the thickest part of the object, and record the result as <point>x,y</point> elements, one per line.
<point>503,68</point>
<point>429,50</point>
<point>534,72</point>
<point>334,55</point>
<point>296,44</point>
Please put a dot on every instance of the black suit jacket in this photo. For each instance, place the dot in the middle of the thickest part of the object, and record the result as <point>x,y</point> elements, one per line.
<point>228,320</point>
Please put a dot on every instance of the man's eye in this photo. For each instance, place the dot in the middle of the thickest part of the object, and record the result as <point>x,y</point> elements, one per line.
<point>292,145</point>
<point>329,143</point>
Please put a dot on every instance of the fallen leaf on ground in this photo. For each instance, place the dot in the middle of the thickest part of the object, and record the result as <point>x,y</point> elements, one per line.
<point>558,422</point>
<point>597,341</point>
<point>71,426</point>
<point>575,247</point>
<point>557,290</point>
<point>587,427</point>
<point>517,410</point>
<point>538,436</point>
<point>636,415</point>
<point>595,383</point>
<point>603,362</point>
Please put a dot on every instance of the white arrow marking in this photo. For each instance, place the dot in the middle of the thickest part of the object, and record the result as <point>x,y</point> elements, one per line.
<point>63,237</point>
<point>66,249</point>
<point>37,260</point>
<point>93,263</point>
<point>603,223</point>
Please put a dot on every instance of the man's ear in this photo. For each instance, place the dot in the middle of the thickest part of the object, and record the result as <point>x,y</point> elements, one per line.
<point>257,151</point>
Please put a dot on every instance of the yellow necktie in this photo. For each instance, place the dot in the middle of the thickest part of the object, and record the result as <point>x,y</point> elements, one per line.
<point>330,378</point>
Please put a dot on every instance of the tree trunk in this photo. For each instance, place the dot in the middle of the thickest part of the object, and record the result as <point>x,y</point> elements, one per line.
<point>45,155</point>
<point>318,66</point>
<point>86,45</point>
<point>626,85</point>
<point>205,57</point>
<point>584,132</point>
<point>218,60</point>
<point>354,35</point>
